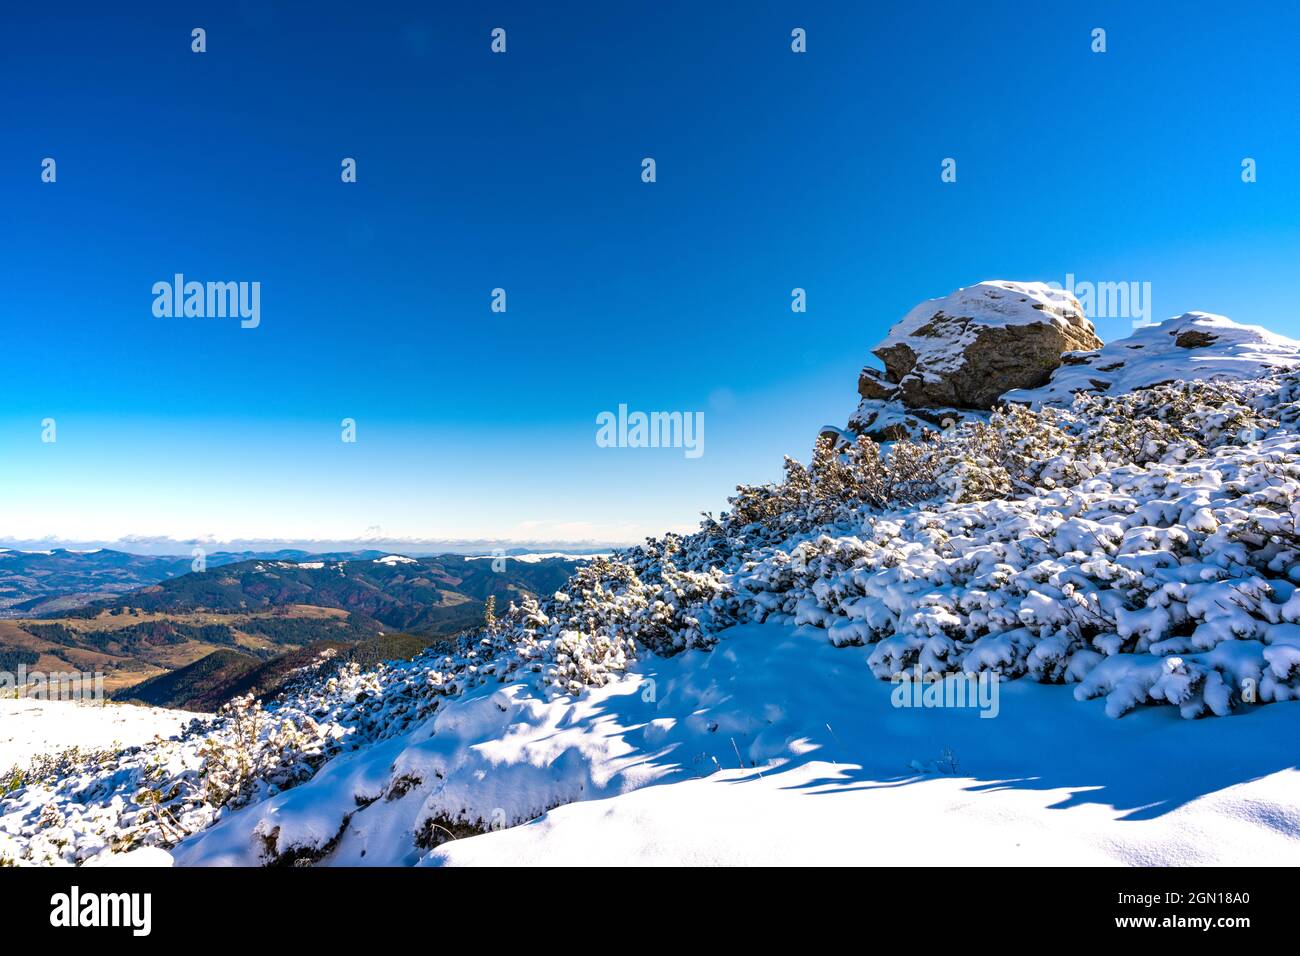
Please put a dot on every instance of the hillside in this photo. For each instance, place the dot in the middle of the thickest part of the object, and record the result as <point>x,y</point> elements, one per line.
<point>129,646</point>
<point>201,686</point>
<point>995,639</point>
<point>224,675</point>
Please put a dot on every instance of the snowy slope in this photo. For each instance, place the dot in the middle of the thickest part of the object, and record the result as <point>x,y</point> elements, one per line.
<point>1133,556</point>
<point>830,775</point>
<point>29,727</point>
<point>1196,345</point>
<point>1043,783</point>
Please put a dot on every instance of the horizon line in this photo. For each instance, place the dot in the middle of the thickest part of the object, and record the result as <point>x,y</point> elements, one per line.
<point>166,546</point>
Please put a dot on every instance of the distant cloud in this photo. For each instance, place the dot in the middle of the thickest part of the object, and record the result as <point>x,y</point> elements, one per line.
<point>372,540</point>
<point>613,533</point>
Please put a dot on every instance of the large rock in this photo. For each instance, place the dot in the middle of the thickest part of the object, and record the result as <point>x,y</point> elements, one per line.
<point>949,360</point>
<point>965,350</point>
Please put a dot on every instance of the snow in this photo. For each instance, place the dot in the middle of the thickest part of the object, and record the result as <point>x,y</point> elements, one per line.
<point>828,776</point>
<point>992,303</point>
<point>144,856</point>
<point>893,417</point>
<point>30,726</point>
<point>1152,355</point>
<point>816,815</point>
<point>395,559</point>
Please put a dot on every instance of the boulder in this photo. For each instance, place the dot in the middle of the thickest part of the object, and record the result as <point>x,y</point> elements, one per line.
<point>949,360</point>
<point>967,349</point>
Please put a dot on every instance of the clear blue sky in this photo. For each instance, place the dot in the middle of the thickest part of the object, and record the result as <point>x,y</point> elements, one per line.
<point>522,171</point>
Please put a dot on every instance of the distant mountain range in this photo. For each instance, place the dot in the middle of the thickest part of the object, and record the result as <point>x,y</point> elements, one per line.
<point>196,639</point>
<point>164,546</point>
<point>423,595</point>
<point>39,582</point>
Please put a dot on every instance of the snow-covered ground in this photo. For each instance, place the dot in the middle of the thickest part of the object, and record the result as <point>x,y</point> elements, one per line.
<point>833,773</point>
<point>1196,345</point>
<point>30,727</point>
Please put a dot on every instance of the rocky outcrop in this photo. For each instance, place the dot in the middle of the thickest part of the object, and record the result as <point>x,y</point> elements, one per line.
<point>1192,346</point>
<point>951,358</point>
<point>889,420</point>
<point>966,349</point>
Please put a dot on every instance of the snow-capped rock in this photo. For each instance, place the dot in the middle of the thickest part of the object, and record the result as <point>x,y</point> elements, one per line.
<point>961,352</point>
<point>966,349</point>
<point>1189,347</point>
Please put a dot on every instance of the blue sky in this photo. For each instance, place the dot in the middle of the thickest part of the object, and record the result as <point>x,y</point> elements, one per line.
<point>522,171</point>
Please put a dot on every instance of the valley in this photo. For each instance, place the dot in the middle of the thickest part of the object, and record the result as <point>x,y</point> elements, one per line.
<point>198,639</point>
